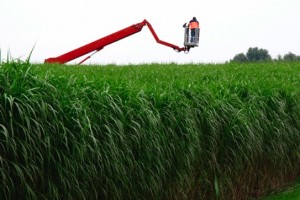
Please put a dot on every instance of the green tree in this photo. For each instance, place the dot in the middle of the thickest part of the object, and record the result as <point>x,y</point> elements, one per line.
<point>255,54</point>
<point>279,58</point>
<point>291,57</point>
<point>241,57</point>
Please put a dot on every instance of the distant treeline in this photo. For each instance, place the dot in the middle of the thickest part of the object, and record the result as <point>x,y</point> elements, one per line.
<point>256,54</point>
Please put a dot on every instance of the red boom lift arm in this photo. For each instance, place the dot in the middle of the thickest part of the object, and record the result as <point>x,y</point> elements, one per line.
<point>101,43</point>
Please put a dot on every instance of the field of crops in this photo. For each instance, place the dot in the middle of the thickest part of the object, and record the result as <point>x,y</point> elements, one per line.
<point>153,131</point>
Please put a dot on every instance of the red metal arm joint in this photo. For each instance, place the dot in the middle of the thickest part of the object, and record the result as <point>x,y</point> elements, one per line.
<point>177,48</point>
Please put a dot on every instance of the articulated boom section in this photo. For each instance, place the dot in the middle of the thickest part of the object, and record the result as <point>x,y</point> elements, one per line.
<point>114,37</point>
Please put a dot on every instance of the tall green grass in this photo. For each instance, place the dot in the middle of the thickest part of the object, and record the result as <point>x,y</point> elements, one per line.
<point>155,131</point>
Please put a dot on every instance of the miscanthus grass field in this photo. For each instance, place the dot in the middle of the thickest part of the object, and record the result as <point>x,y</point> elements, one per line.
<point>152,131</point>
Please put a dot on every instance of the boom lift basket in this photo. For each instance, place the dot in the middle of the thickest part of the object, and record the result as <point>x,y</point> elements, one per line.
<point>190,41</point>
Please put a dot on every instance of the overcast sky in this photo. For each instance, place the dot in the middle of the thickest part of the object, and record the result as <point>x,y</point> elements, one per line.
<point>227,28</point>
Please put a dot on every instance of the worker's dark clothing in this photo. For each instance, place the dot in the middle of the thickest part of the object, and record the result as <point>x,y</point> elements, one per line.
<point>193,25</point>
